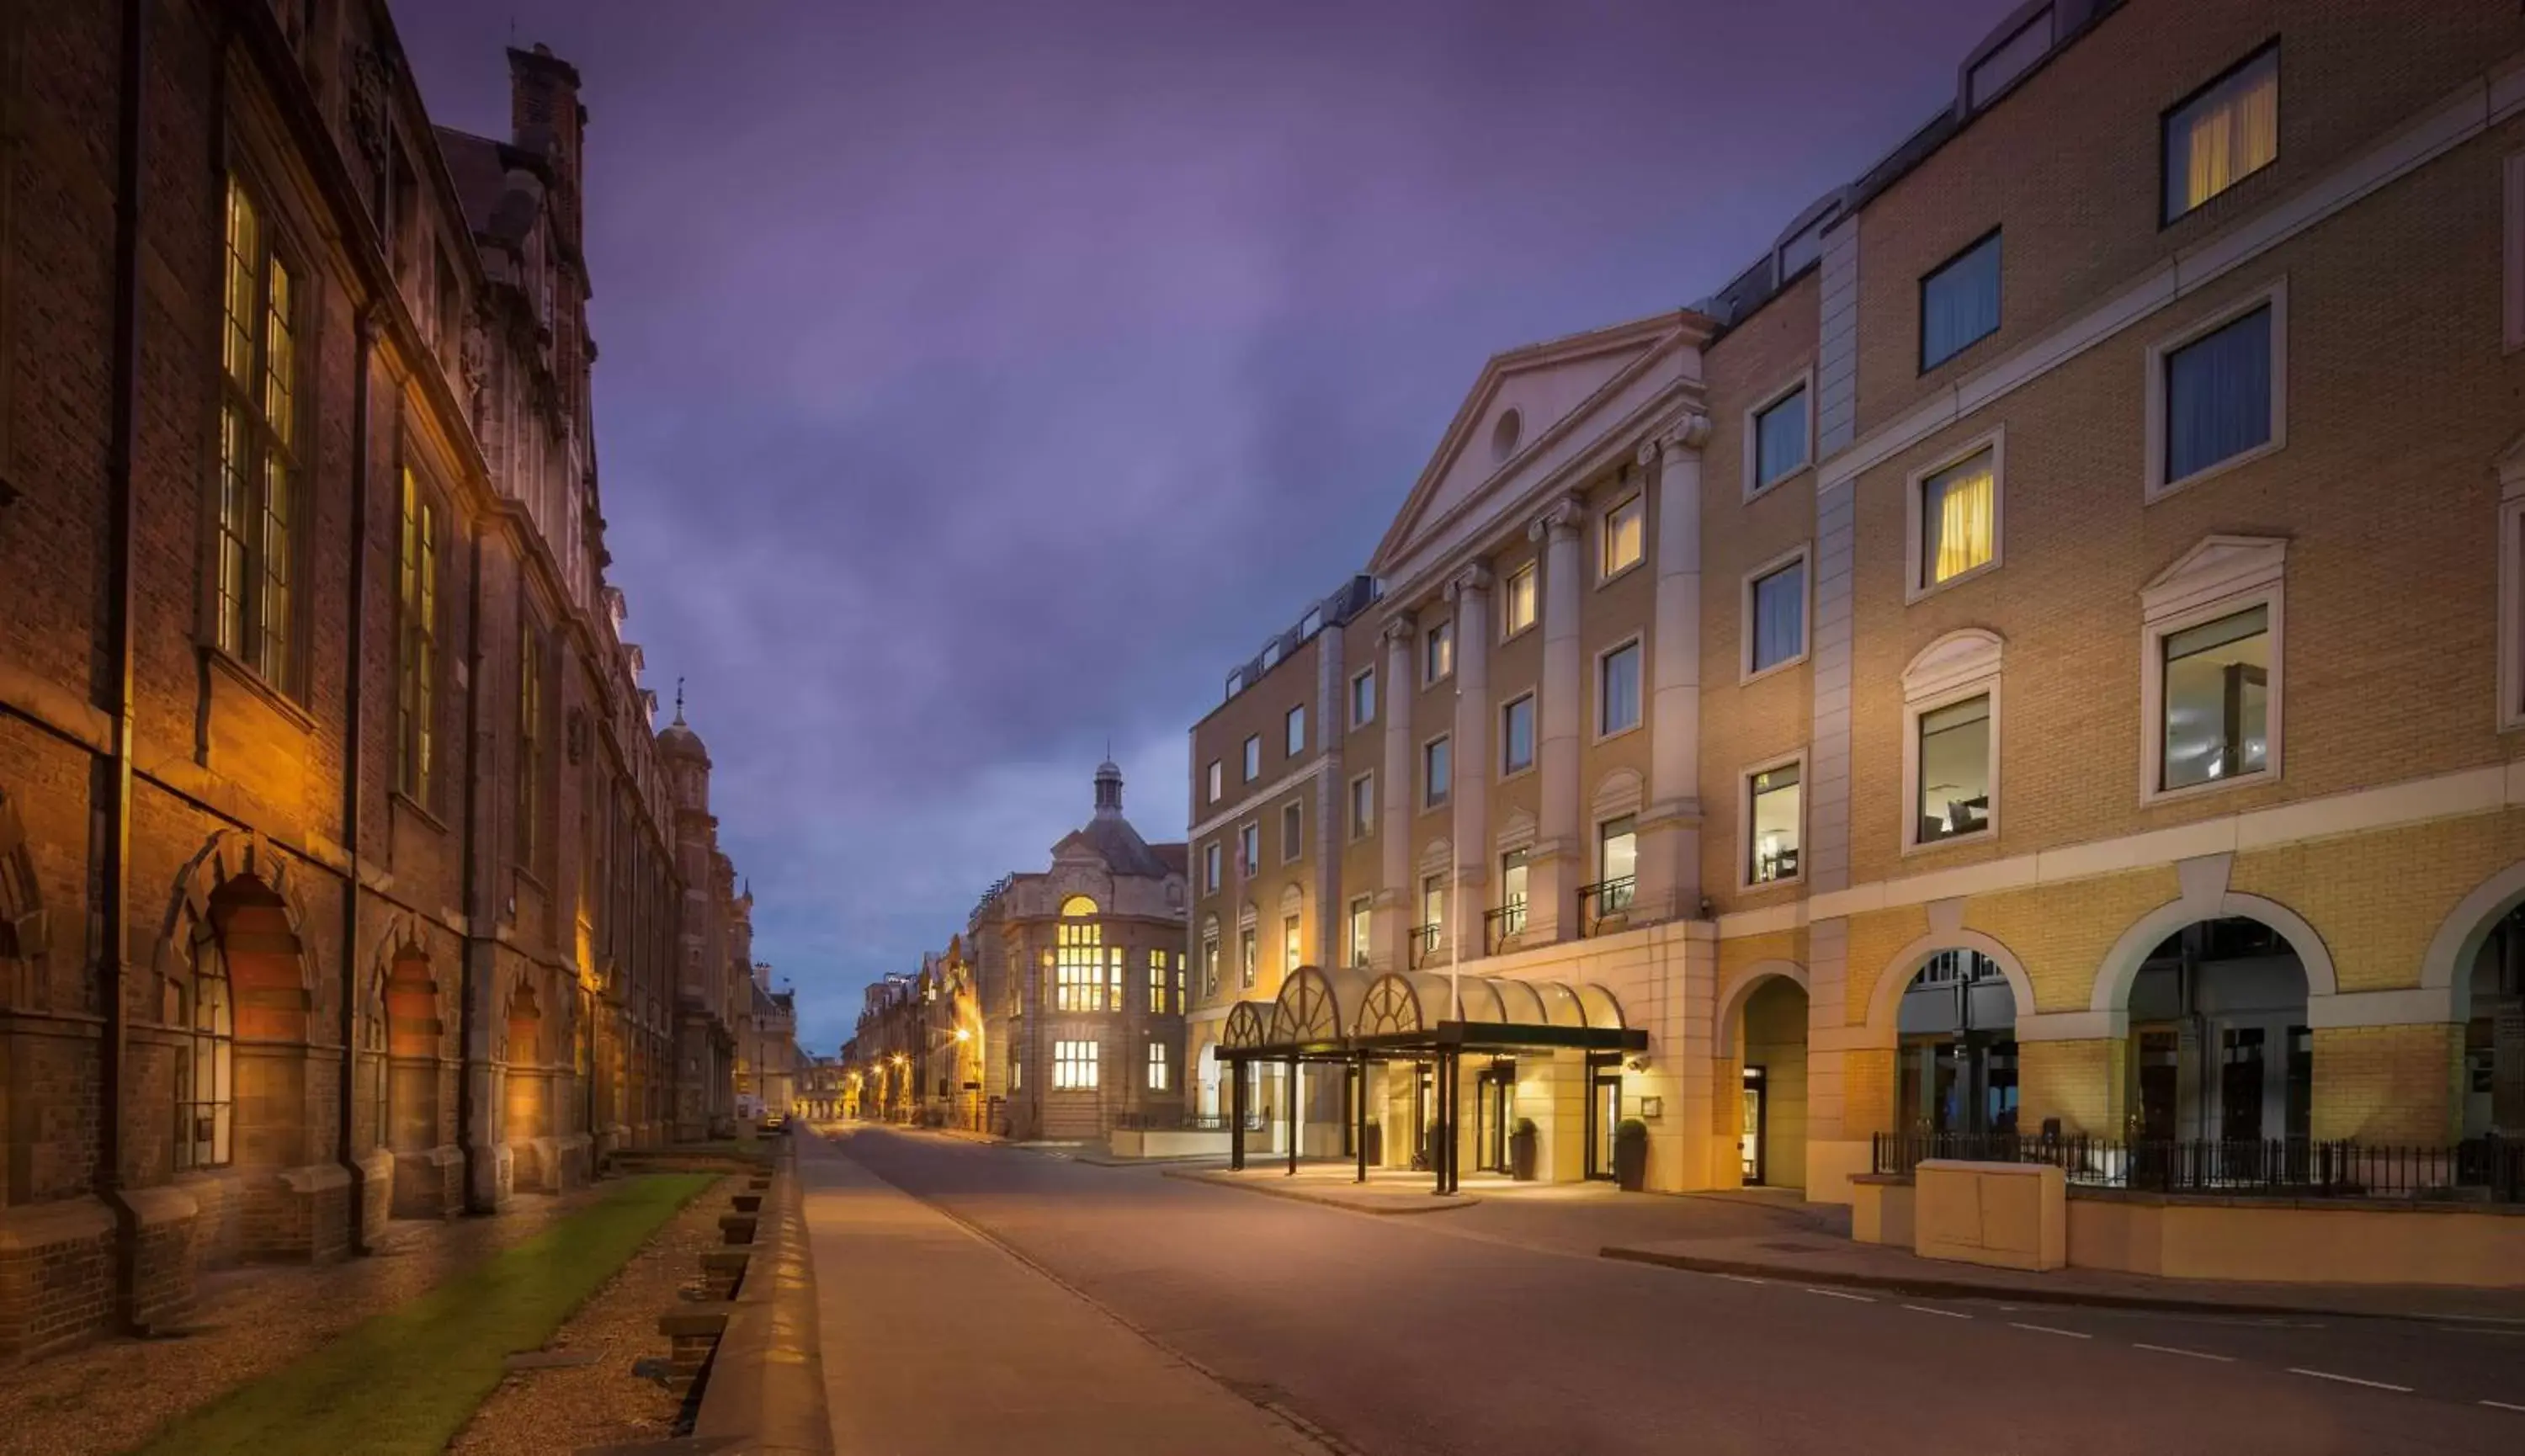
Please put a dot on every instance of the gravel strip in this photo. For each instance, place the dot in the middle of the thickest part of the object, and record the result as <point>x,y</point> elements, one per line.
<point>561,1408</point>
<point>112,1395</point>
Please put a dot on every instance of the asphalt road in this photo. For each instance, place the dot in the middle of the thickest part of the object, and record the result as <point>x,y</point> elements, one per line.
<point>1400,1336</point>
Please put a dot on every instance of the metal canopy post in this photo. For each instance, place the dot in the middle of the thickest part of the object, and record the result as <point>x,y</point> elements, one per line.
<point>1290,1092</point>
<point>1358,1130</point>
<point>1236,1114</point>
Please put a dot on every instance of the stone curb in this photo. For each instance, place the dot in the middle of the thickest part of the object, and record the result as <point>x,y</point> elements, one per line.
<point>1406,1210</point>
<point>1967,1288</point>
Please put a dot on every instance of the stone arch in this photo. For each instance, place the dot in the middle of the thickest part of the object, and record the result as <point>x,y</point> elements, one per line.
<point>408,1003</point>
<point>1517,832</point>
<point>1731,1007</point>
<point>225,859</point>
<point>1618,793</point>
<point>523,1106</point>
<point>1952,660</point>
<point>1899,971</point>
<point>23,937</point>
<point>2446,967</point>
<point>1438,857</point>
<point>2206,896</point>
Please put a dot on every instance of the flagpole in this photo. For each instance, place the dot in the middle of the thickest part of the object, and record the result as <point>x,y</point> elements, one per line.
<point>1455,889</point>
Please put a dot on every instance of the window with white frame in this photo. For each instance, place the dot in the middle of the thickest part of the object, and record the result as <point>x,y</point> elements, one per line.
<point>1362,697</point>
<point>1292,839</point>
<point>1617,864</point>
<point>1437,772</point>
<point>1158,1066</point>
<point>1438,652</point>
<point>2210,689</point>
<point>1775,614</point>
<point>1774,823</point>
<point>1625,535</point>
<point>1362,806</point>
<point>1363,920</point>
<point>1617,690</point>
<point>1519,601</point>
<point>2514,251</point>
<point>1293,950</point>
<point>1253,756</point>
<point>1955,518</point>
<point>1779,439</point>
<point>1293,731</point>
<point>1951,739</point>
<point>1517,734</point>
<point>1209,857</point>
<point>1158,979</point>
<point>1217,781</point>
<point>1960,303</point>
<point>2217,393</point>
<point>1210,957</point>
<point>2225,132</point>
<point>1078,968</point>
<point>1074,1066</point>
<point>1511,920</point>
<point>1248,850</point>
<point>1247,957</point>
<point>1433,903</point>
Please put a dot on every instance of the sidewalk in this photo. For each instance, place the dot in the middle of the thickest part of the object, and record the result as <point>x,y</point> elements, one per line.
<point>936,1342</point>
<point>1334,1186</point>
<point>1842,1262</point>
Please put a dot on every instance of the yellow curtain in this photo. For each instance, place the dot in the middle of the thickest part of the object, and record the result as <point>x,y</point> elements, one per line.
<point>2240,137</point>
<point>1965,521</point>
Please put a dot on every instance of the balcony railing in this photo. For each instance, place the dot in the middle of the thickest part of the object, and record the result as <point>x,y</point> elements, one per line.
<point>1426,941</point>
<point>2483,1168</point>
<point>1501,926</point>
<point>1606,899</point>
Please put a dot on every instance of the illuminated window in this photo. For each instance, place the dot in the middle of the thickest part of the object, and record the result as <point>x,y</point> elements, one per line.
<point>1626,535</point>
<point>1437,773</point>
<point>1157,980</point>
<point>1362,806</point>
<point>417,665</point>
<point>1774,818</point>
<point>1513,892</point>
<point>1362,928</point>
<point>1953,745</point>
<point>1074,1066</point>
<point>1158,1066</point>
<point>1363,698</point>
<point>1517,734</point>
<point>1782,439</point>
<point>1291,951</point>
<point>1078,967</point>
<point>1957,508</point>
<point>1438,652</point>
<point>1247,954</point>
<point>1291,841</point>
<point>2215,716</point>
<point>258,466</point>
<point>1293,731</point>
<point>205,1084</point>
<point>1433,912</point>
<point>1209,959</point>
<point>1248,850</point>
<point>1617,690</point>
<point>1517,601</point>
<point>1253,756</point>
<point>1617,864</point>
<point>2225,134</point>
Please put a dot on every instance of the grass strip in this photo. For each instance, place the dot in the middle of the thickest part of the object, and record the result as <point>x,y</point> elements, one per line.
<point>404,1382</point>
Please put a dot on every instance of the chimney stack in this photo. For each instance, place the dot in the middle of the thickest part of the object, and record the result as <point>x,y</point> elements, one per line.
<point>546,118</point>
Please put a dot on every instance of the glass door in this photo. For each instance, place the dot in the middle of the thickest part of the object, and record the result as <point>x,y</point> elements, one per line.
<point>1605,1106</point>
<point>1750,1136</point>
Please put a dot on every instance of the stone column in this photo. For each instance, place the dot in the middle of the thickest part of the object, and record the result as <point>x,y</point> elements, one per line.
<point>1394,907</point>
<point>1558,863</point>
<point>1470,744</point>
<point>1670,827</point>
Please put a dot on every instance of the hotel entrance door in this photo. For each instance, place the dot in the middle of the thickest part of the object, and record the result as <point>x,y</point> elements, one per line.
<point>1494,1100</point>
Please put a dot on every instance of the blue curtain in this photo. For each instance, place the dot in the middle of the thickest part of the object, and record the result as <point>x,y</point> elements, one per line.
<point>1780,439</point>
<point>2219,395</point>
<point>1960,304</point>
<point>1779,615</point>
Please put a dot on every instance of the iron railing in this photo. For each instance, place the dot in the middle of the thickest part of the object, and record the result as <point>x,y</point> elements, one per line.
<point>1169,1120</point>
<point>2482,1168</point>
<point>1604,899</point>
<point>1500,923</point>
<point>1424,944</point>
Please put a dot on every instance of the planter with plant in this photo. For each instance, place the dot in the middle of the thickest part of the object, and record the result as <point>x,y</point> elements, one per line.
<point>1523,1145</point>
<point>1631,1155</point>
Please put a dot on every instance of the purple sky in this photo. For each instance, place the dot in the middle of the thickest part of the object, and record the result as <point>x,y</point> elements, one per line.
<point>981,380</point>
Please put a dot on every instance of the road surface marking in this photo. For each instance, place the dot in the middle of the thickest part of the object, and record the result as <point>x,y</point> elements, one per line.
<point>1842,1294</point>
<point>2174,1350</point>
<point>1744,1279</point>
<point>2325,1374</point>
<point>2048,1330</point>
<point>1948,1313</point>
<point>2473,1329</point>
<point>2501,1405</point>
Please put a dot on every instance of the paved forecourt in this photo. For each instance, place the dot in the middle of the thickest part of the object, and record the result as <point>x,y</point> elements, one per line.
<point>937,1342</point>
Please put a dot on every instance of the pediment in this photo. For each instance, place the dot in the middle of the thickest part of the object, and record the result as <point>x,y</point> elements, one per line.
<point>1532,411</point>
<point>2218,567</point>
<point>1953,660</point>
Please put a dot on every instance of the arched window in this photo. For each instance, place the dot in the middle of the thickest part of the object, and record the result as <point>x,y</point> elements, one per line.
<point>205,1061</point>
<point>1077,907</point>
<point>373,1044</point>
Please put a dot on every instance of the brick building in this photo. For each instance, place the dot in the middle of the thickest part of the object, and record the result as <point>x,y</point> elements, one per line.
<point>338,860</point>
<point>2041,647</point>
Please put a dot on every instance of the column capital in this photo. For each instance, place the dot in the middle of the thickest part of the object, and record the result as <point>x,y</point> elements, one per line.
<point>1399,629</point>
<point>1690,432</point>
<point>1560,519</point>
<point>1472,580</point>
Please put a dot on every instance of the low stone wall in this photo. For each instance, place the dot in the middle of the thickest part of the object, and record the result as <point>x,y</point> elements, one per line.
<point>2344,1241</point>
<point>1126,1144</point>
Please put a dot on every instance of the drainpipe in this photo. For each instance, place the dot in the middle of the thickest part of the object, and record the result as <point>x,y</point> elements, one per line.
<point>464,1013</point>
<point>364,359</point>
<point>115,785</point>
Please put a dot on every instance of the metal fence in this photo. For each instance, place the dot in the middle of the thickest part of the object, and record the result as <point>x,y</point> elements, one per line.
<point>1182,1121</point>
<point>2491,1168</point>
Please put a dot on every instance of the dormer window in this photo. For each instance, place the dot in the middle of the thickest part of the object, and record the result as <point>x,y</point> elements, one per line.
<point>2012,58</point>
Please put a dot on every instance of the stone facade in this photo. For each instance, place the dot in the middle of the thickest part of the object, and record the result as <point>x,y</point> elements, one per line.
<point>337,856</point>
<point>1703,606</point>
